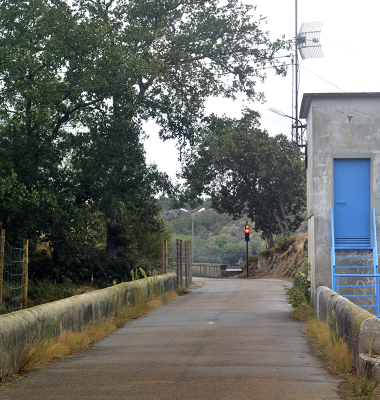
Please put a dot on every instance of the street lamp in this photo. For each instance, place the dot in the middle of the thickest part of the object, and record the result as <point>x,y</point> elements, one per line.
<point>297,124</point>
<point>192,230</point>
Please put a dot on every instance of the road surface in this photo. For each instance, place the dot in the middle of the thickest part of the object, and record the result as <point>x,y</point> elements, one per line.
<point>230,339</point>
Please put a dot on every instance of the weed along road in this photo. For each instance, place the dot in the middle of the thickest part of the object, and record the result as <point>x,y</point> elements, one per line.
<point>229,339</point>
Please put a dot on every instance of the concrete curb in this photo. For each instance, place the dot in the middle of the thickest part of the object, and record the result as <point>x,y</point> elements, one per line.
<point>20,329</point>
<point>359,328</point>
<point>208,270</point>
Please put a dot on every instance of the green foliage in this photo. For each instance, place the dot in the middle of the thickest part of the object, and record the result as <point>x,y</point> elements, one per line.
<point>165,203</point>
<point>47,331</point>
<point>47,291</point>
<point>299,294</point>
<point>156,288</point>
<point>182,290</point>
<point>218,239</point>
<point>247,172</point>
<point>364,388</point>
<point>282,243</point>
<point>232,249</point>
<point>334,332</point>
<point>78,80</point>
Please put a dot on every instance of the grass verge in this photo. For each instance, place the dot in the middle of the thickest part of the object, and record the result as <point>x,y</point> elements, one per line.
<point>45,352</point>
<point>327,342</point>
<point>336,353</point>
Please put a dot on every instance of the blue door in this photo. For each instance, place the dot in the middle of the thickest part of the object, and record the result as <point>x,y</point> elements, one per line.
<point>352,202</point>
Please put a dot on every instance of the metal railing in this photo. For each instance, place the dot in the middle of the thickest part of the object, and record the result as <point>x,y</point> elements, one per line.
<point>332,250</point>
<point>336,283</point>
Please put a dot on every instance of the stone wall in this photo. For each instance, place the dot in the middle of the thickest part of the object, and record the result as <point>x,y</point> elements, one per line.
<point>359,328</point>
<point>20,329</point>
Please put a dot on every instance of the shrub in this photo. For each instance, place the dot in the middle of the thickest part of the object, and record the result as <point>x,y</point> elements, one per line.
<point>282,243</point>
<point>299,294</point>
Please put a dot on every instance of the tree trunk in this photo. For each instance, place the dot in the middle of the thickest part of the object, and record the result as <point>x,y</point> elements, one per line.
<point>113,228</point>
<point>113,225</point>
<point>285,219</point>
<point>269,239</point>
<point>279,222</point>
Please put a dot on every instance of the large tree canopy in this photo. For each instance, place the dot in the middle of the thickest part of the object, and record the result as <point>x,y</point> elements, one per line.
<point>77,79</point>
<point>248,173</point>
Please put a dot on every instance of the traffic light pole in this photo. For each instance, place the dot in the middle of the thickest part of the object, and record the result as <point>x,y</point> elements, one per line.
<point>246,231</point>
<point>247,259</point>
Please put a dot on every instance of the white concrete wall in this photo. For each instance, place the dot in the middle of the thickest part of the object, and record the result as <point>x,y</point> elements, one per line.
<point>331,134</point>
<point>208,270</point>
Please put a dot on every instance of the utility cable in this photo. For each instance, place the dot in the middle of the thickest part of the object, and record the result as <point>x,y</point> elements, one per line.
<point>323,79</point>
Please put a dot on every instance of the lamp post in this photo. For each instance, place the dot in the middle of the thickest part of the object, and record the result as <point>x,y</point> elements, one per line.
<point>297,124</point>
<point>192,230</point>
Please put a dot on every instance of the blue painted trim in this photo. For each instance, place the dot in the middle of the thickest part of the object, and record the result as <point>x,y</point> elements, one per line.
<point>375,260</point>
<point>353,257</point>
<point>335,285</point>
<point>358,286</point>
<point>332,249</point>
<point>352,213</point>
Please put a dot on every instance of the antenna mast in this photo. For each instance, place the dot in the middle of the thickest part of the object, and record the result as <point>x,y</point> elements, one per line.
<point>308,44</point>
<point>296,74</point>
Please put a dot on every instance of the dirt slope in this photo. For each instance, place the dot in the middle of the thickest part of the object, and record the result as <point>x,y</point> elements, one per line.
<point>277,262</point>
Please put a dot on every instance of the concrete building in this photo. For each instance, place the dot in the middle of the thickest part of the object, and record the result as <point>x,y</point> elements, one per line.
<point>343,173</point>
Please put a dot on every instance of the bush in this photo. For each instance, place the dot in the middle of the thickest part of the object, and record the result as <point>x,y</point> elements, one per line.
<point>299,294</point>
<point>46,291</point>
<point>282,243</point>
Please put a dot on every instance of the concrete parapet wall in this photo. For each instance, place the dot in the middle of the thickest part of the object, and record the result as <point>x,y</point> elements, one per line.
<point>359,328</point>
<point>20,329</point>
<point>230,273</point>
<point>208,270</point>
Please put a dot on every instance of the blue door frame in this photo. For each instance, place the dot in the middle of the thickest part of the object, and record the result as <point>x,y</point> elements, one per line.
<point>337,285</point>
<point>351,230</point>
<point>352,213</point>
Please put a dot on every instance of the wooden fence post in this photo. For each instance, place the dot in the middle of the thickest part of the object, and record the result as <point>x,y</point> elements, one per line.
<point>162,255</point>
<point>178,264</point>
<point>25,263</point>
<point>2,256</point>
<point>186,266</point>
<point>166,256</point>
<point>191,262</point>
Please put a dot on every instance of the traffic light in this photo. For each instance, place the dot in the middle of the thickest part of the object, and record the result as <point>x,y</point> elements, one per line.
<point>246,230</point>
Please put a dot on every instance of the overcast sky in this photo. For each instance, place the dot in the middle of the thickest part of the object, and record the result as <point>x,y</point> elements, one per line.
<point>350,37</point>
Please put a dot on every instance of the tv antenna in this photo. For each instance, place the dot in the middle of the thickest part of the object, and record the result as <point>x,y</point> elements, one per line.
<point>308,44</point>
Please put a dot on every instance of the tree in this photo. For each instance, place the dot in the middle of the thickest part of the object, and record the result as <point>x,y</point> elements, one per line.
<point>79,77</point>
<point>247,172</point>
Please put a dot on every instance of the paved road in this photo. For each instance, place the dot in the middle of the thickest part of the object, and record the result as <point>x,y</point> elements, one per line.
<point>229,339</point>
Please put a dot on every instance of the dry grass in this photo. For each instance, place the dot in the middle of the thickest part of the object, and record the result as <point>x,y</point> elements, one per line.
<point>47,351</point>
<point>336,353</point>
<point>280,263</point>
<point>333,347</point>
<point>303,311</point>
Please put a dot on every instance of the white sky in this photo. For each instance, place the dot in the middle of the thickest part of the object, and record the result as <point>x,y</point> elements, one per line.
<point>350,35</point>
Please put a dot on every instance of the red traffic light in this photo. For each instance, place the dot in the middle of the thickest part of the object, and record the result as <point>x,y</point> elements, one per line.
<point>246,230</point>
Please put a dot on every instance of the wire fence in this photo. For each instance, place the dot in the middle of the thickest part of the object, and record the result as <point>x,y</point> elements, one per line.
<point>13,276</point>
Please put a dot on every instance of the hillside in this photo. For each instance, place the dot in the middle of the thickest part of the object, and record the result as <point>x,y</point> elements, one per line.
<point>220,239</point>
<point>279,261</point>
<point>217,237</point>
